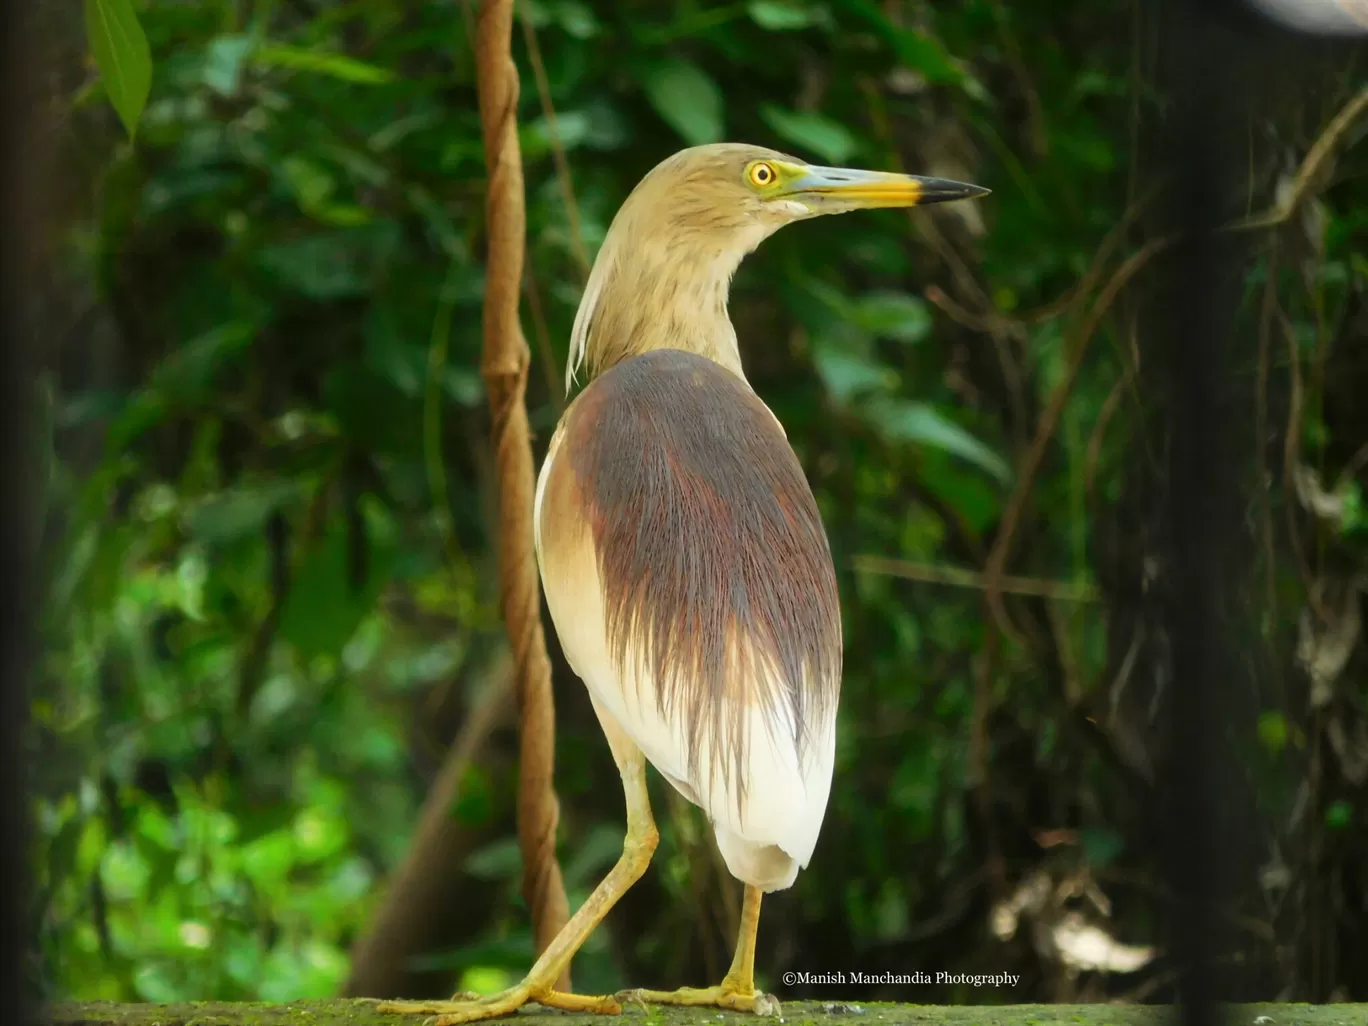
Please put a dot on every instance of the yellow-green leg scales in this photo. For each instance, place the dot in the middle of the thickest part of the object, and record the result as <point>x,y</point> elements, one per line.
<point>737,989</point>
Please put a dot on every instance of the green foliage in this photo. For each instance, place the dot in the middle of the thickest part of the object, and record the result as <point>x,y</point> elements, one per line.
<point>270,548</point>
<point>121,53</point>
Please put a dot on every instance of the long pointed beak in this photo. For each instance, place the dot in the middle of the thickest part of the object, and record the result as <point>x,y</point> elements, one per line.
<point>833,189</point>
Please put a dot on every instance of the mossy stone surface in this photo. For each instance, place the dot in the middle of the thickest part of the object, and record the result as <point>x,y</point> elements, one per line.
<point>804,1013</point>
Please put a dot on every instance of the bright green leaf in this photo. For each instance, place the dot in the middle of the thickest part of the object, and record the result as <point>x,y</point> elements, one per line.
<point>1273,730</point>
<point>121,53</point>
<point>319,834</point>
<point>780,15</point>
<point>923,425</point>
<point>687,99</point>
<point>816,133</point>
<point>485,980</point>
<point>321,62</point>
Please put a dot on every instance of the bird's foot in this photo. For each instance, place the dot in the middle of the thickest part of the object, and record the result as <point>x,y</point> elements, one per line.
<point>727,995</point>
<point>465,1008</point>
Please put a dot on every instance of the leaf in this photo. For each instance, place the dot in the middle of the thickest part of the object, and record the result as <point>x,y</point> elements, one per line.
<point>847,374</point>
<point>577,19</point>
<point>894,315</point>
<point>1101,846</point>
<point>921,424</point>
<point>780,15</point>
<point>916,50</point>
<point>1339,815</point>
<point>223,63</point>
<point>537,138</point>
<point>1272,729</point>
<point>322,62</point>
<point>499,860</point>
<point>321,267</point>
<point>596,852</point>
<point>310,183</point>
<point>120,49</point>
<point>323,610</point>
<point>687,99</point>
<point>241,511</point>
<point>816,133</point>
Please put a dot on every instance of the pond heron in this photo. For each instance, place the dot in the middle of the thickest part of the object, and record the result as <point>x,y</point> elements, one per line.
<point>685,566</point>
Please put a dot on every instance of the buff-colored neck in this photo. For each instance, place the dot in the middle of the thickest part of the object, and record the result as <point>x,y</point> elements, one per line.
<point>661,289</point>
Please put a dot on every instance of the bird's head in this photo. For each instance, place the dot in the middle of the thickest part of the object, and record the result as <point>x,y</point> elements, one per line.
<point>662,273</point>
<point>730,193</point>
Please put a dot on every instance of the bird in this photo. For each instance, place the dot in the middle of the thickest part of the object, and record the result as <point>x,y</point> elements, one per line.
<point>684,563</point>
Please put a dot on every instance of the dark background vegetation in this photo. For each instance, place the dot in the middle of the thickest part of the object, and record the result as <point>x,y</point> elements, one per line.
<point>270,592</point>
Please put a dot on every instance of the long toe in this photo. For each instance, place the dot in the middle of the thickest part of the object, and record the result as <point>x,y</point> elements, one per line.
<point>450,1013</point>
<point>470,1008</point>
<point>716,997</point>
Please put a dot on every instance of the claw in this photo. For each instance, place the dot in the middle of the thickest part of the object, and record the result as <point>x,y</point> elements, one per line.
<point>466,1008</point>
<point>730,998</point>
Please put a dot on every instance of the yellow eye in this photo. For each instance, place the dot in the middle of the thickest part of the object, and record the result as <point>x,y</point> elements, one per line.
<point>761,174</point>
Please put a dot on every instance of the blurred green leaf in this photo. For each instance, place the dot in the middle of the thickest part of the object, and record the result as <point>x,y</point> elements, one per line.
<point>594,855</point>
<point>323,608</point>
<point>1273,731</point>
<point>120,49</point>
<point>500,860</point>
<point>815,133</point>
<point>893,315</point>
<point>223,63</point>
<point>848,375</point>
<point>239,511</point>
<point>687,99</point>
<point>921,424</point>
<point>1339,814</point>
<point>321,62</point>
<point>576,18</point>
<point>781,15</point>
<point>1101,846</point>
<point>320,266</point>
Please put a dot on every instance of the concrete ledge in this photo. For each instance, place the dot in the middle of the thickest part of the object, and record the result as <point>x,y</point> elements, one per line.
<point>797,1013</point>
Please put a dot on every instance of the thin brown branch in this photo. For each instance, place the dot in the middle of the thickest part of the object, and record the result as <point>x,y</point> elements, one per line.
<point>1099,431</point>
<point>1260,434</point>
<point>1311,166</point>
<point>957,577</point>
<point>544,352</point>
<point>563,176</point>
<point>504,366</point>
<point>1351,469</point>
<point>1049,421</point>
<point>1291,449</point>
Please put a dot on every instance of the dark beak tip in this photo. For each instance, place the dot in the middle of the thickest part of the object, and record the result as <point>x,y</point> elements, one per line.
<point>967,191</point>
<point>943,190</point>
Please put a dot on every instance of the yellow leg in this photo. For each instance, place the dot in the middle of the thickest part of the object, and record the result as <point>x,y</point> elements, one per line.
<point>538,986</point>
<point>737,989</point>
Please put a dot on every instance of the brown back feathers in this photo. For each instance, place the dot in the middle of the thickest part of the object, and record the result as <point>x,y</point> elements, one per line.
<point>715,567</point>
